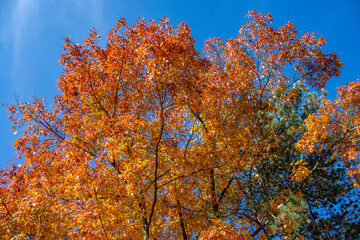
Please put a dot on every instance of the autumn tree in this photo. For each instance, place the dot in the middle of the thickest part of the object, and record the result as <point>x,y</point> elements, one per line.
<point>328,204</point>
<point>151,140</point>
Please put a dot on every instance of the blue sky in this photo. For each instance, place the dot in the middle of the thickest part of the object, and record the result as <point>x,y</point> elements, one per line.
<point>32,34</point>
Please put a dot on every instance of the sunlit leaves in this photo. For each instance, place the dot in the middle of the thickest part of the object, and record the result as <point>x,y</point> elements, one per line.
<point>149,140</point>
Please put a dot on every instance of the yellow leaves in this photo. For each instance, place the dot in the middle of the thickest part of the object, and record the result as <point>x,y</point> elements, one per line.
<point>333,128</point>
<point>299,171</point>
<point>223,230</point>
<point>354,172</point>
<point>288,209</point>
<point>299,162</point>
<point>320,130</point>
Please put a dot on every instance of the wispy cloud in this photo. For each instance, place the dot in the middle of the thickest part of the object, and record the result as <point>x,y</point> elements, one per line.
<point>20,16</point>
<point>18,30</point>
<point>26,25</point>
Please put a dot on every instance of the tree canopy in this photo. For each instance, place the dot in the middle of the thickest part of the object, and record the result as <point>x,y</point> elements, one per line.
<point>149,139</point>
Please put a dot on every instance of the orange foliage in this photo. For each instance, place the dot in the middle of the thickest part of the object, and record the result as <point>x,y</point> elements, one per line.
<point>146,137</point>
